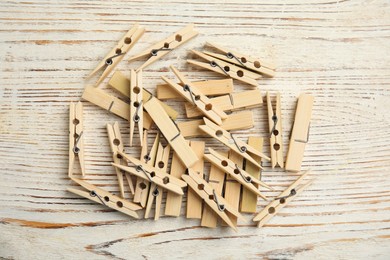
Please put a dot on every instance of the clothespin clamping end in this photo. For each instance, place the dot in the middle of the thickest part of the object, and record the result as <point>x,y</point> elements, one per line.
<point>136,106</point>
<point>215,201</point>
<point>153,174</point>
<point>233,143</point>
<point>116,54</point>
<point>225,68</point>
<point>76,138</point>
<point>193,95</point>
<point>104,197</point>
<point>275,131</point>
<point>236,172</point>
<point>282,200</point>
<point>243,61</point>
<point>162,48</point>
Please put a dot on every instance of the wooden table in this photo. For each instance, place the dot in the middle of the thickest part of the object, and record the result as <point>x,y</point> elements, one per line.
<point>336,50</point>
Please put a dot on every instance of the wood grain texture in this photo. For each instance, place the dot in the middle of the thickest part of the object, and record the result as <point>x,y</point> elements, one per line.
<point>338,51</point>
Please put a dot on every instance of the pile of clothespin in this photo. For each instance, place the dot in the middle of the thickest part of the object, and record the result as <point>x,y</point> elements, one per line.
<point>232,184</point>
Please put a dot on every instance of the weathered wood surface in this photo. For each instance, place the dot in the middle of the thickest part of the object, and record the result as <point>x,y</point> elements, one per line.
<point>336,50</point>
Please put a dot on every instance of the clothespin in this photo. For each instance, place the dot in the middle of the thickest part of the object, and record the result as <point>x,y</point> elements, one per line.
<point>162,48</point>
<point>193,95</point>
<point>242,60</point>
<point>116,144</point>
<point>136,107</point>
<point>156,192</point>
<point>153,174</point>
<point>105,198</point>
<point>215,201</point>
<point>76,138</point>
<point>236,172</point>
<point>149,157</point>
<point>275,131</point>
<point>215,87</point>
<point>282,200</point>
<point>231,102</point>
<point>233,143</point>
<point>235,121</point>
<point>171,132</point>
<point>300,133</point>
<point>116,54</point>
<point>225,68</point>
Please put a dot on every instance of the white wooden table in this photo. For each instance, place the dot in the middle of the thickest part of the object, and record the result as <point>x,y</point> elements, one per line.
<point>336,50</point>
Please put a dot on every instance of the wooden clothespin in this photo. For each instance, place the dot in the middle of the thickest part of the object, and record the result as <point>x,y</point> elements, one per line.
<point>236,172</point>
<point>116,144</point>
<point>275,131</point>
<point>171,132</point>
<point>300,133</point>
<point>231,102</point>
<point>162,48</point>
<point>216,87</point>
<point>242,60</point>
<point>249,199</point>
<point>76,138</point>
<point>193,95</point>
<point>235,121</point>
<point>215,201</point>
<point>225,68</point>
<point>105,198</point>
<point>149,157</point>
<point>136,107</point>
<point>116,54</point>
<point>156,192</point>
<point>122,84</point>
<point>112,104</point>
<point>153,174</point>
<point>282,200</point>
<point>233,143</point>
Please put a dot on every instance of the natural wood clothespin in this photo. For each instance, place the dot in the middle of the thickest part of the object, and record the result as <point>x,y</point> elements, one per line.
<point>235,121</point>
<point>300,133</point>
<point>275,131</point>
<point>136,107</point>
<point>233,143</point>
<point>156,192</point>
<point>207,87</point>
<point>76,138</point>
<point>189,92</point>
<point>105,198</point>
<point>162,48</point>
<point>216,202</point>
<point>112,104</point>
<point>122,84</point>
<point>116,144</point>
<point>282,200</point>
<point>242,60</point>
<point>171,132</point>
<point>116,54</point>
<point>235,172</point>
<point>225,68</point>
<point>152,174</point>
<point>142,186</point>
<point>231,102</point>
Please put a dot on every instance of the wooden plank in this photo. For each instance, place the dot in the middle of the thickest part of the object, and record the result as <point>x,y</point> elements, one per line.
<point>207,87</point>
<point>194,202</point>
<point>216,180</point>
<point>236,121</point>
<point>249,199</point>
